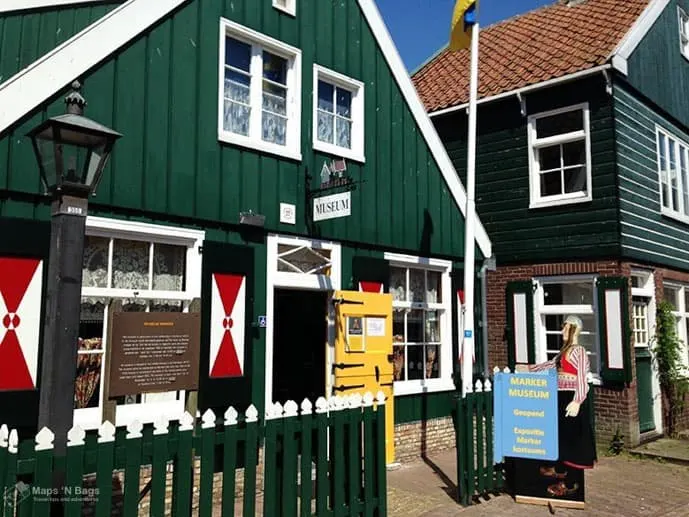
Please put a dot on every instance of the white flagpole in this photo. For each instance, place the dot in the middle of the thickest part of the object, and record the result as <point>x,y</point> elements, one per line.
<point>467,366</point>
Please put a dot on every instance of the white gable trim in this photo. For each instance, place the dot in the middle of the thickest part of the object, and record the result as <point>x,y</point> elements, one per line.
<point>32,86</point>
<point>26,5</point>
<point>380,32</point>
<point>636,33</point>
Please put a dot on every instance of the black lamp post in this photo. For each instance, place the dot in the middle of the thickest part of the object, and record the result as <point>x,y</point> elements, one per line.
<point>72,152</point>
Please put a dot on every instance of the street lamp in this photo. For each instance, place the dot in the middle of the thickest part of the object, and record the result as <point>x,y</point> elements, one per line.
<point>72,152</point>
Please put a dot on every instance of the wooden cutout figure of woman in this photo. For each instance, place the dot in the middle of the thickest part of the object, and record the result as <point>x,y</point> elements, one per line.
<point>577,450</point>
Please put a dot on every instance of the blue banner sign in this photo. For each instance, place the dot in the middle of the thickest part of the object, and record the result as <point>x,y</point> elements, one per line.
<point>525,409</point>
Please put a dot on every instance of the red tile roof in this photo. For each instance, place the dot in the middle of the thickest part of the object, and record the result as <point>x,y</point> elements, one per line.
<point>550,42</point>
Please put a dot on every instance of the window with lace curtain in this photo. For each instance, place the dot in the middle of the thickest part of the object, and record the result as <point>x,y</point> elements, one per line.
<point>145,276</point>
<point>260,92</point>
<point>338,119</point>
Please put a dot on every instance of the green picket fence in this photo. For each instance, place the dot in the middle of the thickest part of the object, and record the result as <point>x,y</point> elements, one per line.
<point>329,462</point>
<point>477,473</point>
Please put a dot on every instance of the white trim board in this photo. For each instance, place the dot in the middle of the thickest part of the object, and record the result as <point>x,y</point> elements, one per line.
<point>9,6</point>
<point>27,89</point>
<point>447,169</point>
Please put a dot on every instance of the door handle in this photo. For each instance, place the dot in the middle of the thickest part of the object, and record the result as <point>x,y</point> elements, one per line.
<point>377,374</point>
<point>387,384</point>
<point>345,387</point>
<point>344,366</point>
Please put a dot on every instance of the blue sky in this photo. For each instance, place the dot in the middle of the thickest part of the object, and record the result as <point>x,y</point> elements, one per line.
<point>421,27</point>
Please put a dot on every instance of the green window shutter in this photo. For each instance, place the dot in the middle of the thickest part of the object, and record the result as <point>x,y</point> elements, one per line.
<point>520,323</point>
<point>613,327</point>
<point>370,274</point>
<point>217,392</point>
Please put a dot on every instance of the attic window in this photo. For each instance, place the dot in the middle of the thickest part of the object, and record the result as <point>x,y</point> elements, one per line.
<point>683,32</point>
<point>560,156</point>
<point>287,6</point>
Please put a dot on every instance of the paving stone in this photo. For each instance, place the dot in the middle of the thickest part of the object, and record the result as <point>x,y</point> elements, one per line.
<point>617,486</point>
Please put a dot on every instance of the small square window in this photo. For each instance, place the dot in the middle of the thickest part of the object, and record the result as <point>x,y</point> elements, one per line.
<point>683,32</point>
<point>288,6</point>
<point>560,158</point>
<point>338,119</point>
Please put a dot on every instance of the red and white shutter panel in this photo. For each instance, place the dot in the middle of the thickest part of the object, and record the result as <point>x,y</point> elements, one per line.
<point>21,290</point>
<point>228,312</point>
<point>371,287</point>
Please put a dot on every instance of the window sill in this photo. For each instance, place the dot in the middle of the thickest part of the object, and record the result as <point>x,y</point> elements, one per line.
<point>418,387</point>
<point>340,152</point>
<point>545,203</point>
<point>264,147</point>
<point>674,215</point>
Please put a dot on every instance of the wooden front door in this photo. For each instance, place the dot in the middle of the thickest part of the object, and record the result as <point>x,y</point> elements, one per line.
<point>644,365</point>
<point>363,351</point>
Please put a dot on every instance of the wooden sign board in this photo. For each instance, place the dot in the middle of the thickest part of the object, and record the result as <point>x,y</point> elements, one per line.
<point>154,352</point>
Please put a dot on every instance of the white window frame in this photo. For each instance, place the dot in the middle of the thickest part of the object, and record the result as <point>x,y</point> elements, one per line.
<point>260,42</point>
<point>290,7</point>
<point>681,147</point>
<point>356,152</point>
<point>682,314</point>
<point>444,382</point>
<point>145,412</point>
<point>541,310</point>
<point>683,29</point>
<point>536,200</point>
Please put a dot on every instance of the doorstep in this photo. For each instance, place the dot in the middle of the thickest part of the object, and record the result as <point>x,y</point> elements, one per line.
<point>668,449</point>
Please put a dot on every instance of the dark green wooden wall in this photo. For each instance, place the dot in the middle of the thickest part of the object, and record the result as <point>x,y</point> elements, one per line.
<point>647,235</point>
<point>658,69</point>
<point>521,234</point>
<point>27,35</point>
<point>161,92</point>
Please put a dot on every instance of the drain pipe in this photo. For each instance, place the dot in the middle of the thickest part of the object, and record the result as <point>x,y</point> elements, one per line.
<point>488,265</point>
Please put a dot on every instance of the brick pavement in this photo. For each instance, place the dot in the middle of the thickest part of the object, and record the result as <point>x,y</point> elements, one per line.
<point>617,486</point>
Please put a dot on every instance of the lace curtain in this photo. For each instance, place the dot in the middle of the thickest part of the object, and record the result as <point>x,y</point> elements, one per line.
<point>131,265</point>
<point>334,115</point>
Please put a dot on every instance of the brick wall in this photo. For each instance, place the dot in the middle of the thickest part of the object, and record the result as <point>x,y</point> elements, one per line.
<point>414,439</point>
<point>613,407</point>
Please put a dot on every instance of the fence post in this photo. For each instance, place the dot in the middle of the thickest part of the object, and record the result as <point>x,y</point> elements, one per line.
<point>132,467</point>
<point>369,457</point>
<point>75,468</point>
<point>43,472</point>
<point>289,460</point>
<point>490,429</point>
<point>4,436</point>
<point>251,460</point>
<point>10,484</point>
<point>159,465</point>
<point>229,470</point>
<point>381,467</point>
<point>337,454</point>
<point>207,464</point>
<point>183,470</point>
<point>306,487</point>
<point>104,468</point>
<point>271,498</point>
<point>321,456</point>
<point>480,458</point>
<point>354,459</point>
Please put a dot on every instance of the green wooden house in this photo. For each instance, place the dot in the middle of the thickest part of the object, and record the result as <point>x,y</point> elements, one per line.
<point>273,151</point>
<point>583,186</point>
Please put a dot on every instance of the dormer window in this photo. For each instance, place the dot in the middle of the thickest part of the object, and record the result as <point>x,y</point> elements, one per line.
<point>560,156</point>
<point>683,32</point>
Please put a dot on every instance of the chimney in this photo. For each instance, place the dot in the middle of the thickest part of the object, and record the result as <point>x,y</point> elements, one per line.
<point>571,3</point>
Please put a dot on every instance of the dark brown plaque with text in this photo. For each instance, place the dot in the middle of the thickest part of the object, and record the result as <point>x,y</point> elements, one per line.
<point>154,352</point>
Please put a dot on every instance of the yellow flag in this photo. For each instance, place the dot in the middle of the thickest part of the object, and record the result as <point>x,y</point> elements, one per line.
<point>463,19</point>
